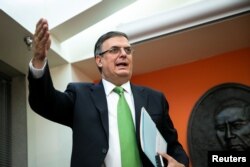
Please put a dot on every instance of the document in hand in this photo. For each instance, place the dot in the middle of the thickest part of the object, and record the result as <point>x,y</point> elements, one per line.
<point>152,141</point>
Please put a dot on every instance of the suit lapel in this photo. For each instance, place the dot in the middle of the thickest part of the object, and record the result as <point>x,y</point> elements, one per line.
<point>140,100</point>
<point>99,98</point>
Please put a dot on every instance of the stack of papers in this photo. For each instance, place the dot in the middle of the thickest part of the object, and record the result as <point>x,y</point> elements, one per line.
<point>152,141</point>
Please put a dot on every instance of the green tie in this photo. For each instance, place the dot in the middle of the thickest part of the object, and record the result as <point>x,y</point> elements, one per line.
<point>129,150</point>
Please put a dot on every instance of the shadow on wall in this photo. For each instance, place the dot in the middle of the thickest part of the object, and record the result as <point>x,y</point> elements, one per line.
<point>219,121</point>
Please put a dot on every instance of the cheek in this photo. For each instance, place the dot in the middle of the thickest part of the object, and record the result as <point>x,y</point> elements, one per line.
<point>244,131</point>
<point>131,64</point>
<point>108,62</point>
<point>220,135</point>
<point>108,67</point>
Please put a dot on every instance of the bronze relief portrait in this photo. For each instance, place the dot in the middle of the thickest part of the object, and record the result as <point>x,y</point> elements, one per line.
<point>220,120</point>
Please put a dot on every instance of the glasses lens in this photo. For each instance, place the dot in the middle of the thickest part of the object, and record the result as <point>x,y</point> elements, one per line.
<point>128,50</point>
<point>114,50</point>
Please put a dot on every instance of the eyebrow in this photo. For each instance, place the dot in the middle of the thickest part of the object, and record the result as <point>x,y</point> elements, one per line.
<point>115,46</point>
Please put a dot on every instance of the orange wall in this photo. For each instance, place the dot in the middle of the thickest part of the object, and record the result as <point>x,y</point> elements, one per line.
<point>183,85</point>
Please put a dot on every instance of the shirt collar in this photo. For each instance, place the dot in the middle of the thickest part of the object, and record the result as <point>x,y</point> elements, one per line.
<point>108,87</point>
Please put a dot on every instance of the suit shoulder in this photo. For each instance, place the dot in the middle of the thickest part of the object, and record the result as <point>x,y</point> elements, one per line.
<point>76,84</point>
<point>80,85</point>
<point>148,89</point>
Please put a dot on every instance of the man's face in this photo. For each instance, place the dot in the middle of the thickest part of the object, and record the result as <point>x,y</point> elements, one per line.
<point>116,67</point>
<point>233,129</point>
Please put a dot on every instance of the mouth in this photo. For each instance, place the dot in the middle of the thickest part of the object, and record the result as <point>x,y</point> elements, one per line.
<point>122,64</point>
<point>236,147</point>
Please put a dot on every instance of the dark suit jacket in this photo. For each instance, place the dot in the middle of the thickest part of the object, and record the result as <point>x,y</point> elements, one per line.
<point>83,107</point>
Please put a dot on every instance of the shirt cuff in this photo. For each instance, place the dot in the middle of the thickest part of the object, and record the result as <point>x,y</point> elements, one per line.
<point>37,72</point>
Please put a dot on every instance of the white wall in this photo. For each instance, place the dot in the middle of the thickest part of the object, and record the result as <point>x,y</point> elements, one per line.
<point>49,143</point>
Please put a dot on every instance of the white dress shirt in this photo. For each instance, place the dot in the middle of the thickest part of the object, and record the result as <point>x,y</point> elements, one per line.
<point>37,73</point>
<point>113,158</point>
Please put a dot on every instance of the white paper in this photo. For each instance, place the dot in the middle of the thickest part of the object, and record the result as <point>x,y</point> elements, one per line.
<point>152,141</point>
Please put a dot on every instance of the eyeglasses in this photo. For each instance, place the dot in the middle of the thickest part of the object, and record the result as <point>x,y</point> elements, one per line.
<point>115,50</point>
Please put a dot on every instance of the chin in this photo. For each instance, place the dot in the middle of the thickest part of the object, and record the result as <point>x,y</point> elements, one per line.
<point>124,75</point>
<point>123,72</point>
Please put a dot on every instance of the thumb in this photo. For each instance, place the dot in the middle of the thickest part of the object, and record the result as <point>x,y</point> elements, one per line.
<point>166,156</point>
<point>171,160</point>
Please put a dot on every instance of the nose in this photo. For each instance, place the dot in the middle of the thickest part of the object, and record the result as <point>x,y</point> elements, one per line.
<point>228,133</point>
<point>123,52</point>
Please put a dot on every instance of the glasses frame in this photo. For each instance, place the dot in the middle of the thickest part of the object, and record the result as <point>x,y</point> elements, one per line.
<point>116,47</point>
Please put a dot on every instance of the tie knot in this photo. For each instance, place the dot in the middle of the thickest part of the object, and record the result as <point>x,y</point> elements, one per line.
<point>118,90</point>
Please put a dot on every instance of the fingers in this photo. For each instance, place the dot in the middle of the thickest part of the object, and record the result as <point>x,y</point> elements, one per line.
<point>41,41</point>
<point>41,38</point>
<point>42,28</point>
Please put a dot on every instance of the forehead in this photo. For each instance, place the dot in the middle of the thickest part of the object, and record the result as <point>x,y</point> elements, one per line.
<point>231,114</point>
<point>115,41</point>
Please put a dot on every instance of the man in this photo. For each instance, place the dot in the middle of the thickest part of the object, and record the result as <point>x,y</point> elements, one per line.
<point>232,124</point>
<point>91,109</point>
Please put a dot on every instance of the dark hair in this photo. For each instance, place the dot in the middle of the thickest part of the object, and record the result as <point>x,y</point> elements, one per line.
<point>104,37</point>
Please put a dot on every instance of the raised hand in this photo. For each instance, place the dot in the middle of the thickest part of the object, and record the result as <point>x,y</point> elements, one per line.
<point>41,43</point>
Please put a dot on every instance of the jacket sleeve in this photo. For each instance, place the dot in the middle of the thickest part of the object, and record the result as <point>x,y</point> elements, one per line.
<point>174,149</point>
<point>48,102</point>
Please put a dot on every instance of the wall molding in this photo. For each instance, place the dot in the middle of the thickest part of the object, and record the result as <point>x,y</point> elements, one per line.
<point>182,18</point>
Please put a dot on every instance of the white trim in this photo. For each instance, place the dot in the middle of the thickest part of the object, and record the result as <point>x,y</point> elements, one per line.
<point>182,18</point>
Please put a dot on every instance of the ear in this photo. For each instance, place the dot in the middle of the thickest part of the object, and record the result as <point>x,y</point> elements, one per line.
<point>98,61</point>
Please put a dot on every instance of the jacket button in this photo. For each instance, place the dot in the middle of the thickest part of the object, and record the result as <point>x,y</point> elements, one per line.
<point>104,150</point>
